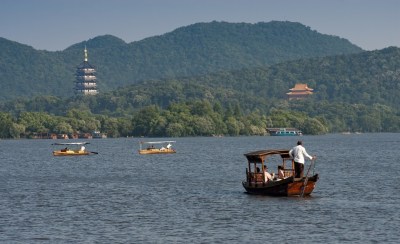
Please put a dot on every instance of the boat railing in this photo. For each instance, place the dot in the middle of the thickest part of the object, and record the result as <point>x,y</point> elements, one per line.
<point>259,177</point>
<point>288,172</point>
<point>255,177</point>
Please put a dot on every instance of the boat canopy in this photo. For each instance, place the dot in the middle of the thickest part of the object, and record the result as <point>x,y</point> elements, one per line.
<point>70,143</point>
<point>259,156</point>
<point>156,142</point>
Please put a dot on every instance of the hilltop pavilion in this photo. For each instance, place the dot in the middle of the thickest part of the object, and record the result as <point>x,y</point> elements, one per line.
<point>299,91</point>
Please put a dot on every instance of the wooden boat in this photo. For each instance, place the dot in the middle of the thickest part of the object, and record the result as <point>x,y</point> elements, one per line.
<point>164,147</point>
<point>286,185</point>
<point>78,150</point>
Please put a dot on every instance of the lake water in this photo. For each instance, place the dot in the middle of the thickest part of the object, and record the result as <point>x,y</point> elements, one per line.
<point>195,195</point>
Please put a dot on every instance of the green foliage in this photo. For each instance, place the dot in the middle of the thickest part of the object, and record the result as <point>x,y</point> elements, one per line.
<point>16,130</point>
<point>197,49</point>
<point>201,118</point>
<point>355,92</point>
<point>6,122</point>
<point>40,122</point>
<point>313,126</point>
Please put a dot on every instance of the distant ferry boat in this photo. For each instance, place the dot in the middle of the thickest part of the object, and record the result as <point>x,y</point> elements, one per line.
<point>98,135</point>
<point>284,132</point>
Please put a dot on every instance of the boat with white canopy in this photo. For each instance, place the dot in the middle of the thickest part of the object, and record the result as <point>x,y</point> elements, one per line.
<point>156,147</point>
<point>72,149</point>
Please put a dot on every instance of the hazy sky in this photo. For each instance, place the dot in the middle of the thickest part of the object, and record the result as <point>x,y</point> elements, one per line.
<point>57,24</point>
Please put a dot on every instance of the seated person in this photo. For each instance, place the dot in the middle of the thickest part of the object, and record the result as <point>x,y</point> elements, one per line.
<point>281,174</point>
<point>267,175</point>
<point>257,176</point>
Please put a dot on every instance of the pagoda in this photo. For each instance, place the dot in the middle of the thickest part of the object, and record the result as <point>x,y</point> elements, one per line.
<point>299,91</point>
<point>85,78</point>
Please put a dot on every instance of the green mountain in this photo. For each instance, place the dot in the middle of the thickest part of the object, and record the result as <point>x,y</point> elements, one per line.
<point>367,78</point>
<point>356,92</point>
<point>197,49</point>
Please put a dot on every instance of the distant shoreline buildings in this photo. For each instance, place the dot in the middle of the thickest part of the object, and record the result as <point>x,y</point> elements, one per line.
<point>85,78</point>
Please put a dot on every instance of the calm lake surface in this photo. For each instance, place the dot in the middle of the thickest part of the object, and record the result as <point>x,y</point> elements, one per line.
<point>195,195</point>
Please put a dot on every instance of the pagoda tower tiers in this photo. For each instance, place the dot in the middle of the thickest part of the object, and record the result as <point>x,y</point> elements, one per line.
<point>85,78</point>
<point>299,91</point>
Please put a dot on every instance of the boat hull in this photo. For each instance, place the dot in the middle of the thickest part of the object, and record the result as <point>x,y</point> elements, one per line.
<point>285,134</point>
<point>156,151</point>
<point>286,187</point>
<point>70,153</point>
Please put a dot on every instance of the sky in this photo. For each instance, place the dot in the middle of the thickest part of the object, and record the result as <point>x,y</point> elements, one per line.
<point>54,25</point>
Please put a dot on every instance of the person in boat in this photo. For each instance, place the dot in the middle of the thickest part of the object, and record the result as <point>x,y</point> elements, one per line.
<point>298,153</point>
<point>281,174</point>
<point>169,146</point>
<point>64,150</point>
<point>83,148</point>
<point>257,175</point>
<point>267,175</point>
<point>162,148</point>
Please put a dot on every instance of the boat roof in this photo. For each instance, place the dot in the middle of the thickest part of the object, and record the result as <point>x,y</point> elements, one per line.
<point>282,129</point>
<point>259,156</point>
<point>70,143</point>
<point>156,142</point>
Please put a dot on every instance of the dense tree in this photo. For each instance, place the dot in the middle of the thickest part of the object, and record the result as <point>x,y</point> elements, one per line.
<point>6,122</point>
<point>233,126</point>
<point>16,130</point>
<point>63,128</point>
<point>39,122</point>
<point>313,126</point>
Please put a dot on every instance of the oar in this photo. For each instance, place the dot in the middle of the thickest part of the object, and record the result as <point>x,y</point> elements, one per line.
<point>306,179</point>
<point>94,152</point>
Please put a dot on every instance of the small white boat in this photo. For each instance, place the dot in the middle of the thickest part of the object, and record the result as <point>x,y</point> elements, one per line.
<point>162,147</point>
<point>78,149</point>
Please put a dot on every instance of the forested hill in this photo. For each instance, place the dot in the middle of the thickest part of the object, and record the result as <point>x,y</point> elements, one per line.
<point>371,77</point>
<point>368,78</point>
<point>197,49</point>
<point>357,92</point>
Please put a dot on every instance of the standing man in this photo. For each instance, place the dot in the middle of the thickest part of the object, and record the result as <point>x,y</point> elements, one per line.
<point>298,152</point>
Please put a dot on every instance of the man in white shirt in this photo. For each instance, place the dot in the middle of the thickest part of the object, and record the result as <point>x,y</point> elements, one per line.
<point>298,152</point>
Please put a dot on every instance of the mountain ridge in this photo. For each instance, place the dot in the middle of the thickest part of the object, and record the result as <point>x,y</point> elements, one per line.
<point>357,92</point>
<point>196,49</point>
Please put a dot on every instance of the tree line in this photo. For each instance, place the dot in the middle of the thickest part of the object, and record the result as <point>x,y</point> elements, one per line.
<point>197,118</point>
<point>202,118</point>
